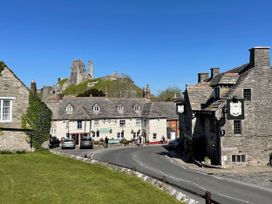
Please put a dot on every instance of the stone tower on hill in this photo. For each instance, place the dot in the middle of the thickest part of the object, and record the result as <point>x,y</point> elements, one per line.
<point>78,72</point>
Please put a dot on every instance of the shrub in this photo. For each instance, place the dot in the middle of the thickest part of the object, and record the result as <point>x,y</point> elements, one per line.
<point>38,120</point>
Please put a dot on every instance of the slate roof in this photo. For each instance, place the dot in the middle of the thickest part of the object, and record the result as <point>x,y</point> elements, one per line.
<point>201,97</point>
<point>199,94</point>
<point>83,108</point>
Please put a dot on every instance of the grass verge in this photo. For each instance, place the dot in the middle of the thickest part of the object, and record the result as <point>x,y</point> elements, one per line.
<point>42,177</point>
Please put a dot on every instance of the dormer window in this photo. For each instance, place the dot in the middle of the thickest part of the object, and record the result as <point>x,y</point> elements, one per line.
<point>120,108</point>
<point>136,107</point>
<point>216,92</point>
<point>96,108</point>
<point>69,109</point>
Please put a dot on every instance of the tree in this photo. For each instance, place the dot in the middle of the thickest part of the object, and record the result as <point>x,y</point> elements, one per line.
<point>169,93</point>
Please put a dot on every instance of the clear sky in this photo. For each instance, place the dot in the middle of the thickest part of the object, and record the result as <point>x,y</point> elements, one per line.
<point>157,42</point>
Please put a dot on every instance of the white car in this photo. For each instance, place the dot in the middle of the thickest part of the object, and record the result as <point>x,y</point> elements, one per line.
<point>68,143</point>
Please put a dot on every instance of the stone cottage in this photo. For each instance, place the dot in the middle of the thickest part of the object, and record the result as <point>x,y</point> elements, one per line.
<point>228,116</point>
<point>13,103</point>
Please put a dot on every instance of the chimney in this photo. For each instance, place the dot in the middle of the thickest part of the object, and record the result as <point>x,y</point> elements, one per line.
<point>202,77</point>
<point>259,56</point>
<point>146,92</point>
<point>214,71</point>
<point>33,87</point>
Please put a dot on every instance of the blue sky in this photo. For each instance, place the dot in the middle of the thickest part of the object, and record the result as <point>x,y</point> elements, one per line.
<point>157,42</point>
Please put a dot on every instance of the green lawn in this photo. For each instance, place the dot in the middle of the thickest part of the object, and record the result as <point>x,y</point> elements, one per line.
<point>42,177</point>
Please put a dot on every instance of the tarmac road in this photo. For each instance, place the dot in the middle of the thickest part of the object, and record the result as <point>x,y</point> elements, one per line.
<point>153,161</point>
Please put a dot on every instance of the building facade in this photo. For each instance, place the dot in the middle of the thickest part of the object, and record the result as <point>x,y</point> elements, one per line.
<point>116,118</point>
<point>228,116</point>
<point>13,104</point>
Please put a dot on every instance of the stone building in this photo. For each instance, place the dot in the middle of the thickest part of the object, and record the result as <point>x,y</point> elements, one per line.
<point>116,118</point>
<point>228,116</point>
<point>78,74</point>
<point>13,104</point>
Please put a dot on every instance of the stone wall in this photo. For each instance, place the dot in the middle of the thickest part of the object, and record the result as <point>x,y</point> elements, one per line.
<point>14,141</point>
<point>255,141</point>
<point>11,86</point>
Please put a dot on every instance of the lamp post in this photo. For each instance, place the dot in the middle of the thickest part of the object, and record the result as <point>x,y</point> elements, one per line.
<point>180,112</point>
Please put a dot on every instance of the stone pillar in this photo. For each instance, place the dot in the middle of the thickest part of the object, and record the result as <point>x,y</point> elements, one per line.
<point>90,69</point>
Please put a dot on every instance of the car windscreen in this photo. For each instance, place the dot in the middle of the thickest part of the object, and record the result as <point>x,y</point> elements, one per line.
<point>87,139</point>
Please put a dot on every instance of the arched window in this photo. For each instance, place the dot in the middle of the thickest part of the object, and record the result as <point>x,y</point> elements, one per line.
<point>69,109</point>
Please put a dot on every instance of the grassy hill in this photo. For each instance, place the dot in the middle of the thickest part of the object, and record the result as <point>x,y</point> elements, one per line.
<point>122,87</point>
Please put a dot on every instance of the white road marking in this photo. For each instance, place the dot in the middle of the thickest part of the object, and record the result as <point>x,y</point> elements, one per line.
<point>232,198</point>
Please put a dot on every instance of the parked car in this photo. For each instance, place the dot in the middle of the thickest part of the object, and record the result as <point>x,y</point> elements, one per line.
<point>86,142</point>
<point>53,142</point>
<point>173,144</point>
<point>68,143</point>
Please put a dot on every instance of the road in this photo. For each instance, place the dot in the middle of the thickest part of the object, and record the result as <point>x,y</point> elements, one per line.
<point>153,161</point>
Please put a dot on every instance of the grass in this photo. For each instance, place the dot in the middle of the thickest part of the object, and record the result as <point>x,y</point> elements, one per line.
<point>42,177</point>
<point>113,87</point>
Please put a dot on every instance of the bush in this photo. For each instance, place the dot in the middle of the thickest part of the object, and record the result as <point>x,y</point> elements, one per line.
<point>38,120</point>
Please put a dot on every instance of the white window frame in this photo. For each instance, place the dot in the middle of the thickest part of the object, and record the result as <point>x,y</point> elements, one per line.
<point>122,123</point>
<point>1,109</point>
<point>138,122</point>
<point>96,108</point>
<point>69,109</point>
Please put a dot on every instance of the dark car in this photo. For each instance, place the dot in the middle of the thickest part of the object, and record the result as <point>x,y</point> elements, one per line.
<point>173,144</point>
<point>86,142</point>
<point>53,142</point>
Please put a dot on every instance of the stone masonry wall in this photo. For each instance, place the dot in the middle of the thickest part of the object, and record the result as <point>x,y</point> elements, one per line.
<point>256,139</point>
<point>10,86</point>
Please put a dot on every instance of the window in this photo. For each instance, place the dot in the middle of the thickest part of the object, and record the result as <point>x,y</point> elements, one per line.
<point>79,124</point>
<point>237,127</point>
<point>136,107</point>
<point>122,123</point>
<point>154,135</point>
<point>238,158</point>
<point>118,134</point>
<point>138,122</point>
<point>122,133</point>
<point>69,109</point>
<point>5,110</point>
<point>96,122</point>
<point>247,94</point>
<point>96,108</point>
<point>97,133</point>
<point>120,108</point>
<point>216,92</point>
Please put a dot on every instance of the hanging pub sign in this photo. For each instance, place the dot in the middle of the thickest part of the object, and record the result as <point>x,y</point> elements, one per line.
<point>235,109</point>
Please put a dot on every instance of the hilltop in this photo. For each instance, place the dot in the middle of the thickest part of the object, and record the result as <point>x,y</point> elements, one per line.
<point>82,83</point>
<point>105,86</point>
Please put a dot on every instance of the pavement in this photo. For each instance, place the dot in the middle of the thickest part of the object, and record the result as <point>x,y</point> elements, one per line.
<point>257,175</point>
